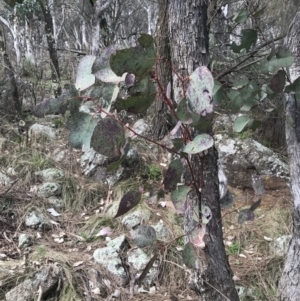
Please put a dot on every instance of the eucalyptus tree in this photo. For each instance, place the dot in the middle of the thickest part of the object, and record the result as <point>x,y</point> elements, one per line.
<point>188,36</point>
<point>289,285</point>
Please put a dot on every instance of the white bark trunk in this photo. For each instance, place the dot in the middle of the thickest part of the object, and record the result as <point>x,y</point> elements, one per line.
<point>289,284</point>
<point>29,54</point>
<point>84,39</point>
<point>99,7</point>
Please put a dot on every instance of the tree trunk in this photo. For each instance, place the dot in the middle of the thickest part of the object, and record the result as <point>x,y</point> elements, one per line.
<point>55,73</point>
<point>188,36</point>
<point>289,284</point>
<point>29,54</point>
<point>11,91</point>
<point>160,122</point>
<point>99,7</point>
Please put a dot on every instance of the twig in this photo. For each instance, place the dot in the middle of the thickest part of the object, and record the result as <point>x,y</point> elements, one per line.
<point>251,54</point>
<point>7,190</point>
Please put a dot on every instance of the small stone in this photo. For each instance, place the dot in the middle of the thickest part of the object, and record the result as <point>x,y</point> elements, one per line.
<point>37,220</point>
<point>41,131</point>
<point>50,174</point>
<point>49,189</point>
<point>25,240</point>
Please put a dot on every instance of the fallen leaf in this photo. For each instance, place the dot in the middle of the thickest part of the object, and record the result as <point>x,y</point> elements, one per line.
<point>78,263</point>
<point>59,240</point>
<point>96,291</point>
<point>53,212</point>
<point>266,238</point>
<point>106,231</point>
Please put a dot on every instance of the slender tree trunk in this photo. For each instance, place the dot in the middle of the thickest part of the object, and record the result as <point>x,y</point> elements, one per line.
<point>99,7</point>
<point>188,36</point>
<point>51,45</point>
<point>12,87</point>
<point>289,284</point>
<point>160,122</point>
<point>29,54</point>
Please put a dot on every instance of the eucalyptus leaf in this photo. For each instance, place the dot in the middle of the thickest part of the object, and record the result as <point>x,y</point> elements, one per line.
<point>249,38</point>
<point>240,82</point>
<point>278,81</point>
<point>106,75</point>
<point>128,201</point>
<point>108,137</point>
<point>173,175</point>
<point>218,92</point>
<point>178,197</point>
<point>81,127</point>
<point>241,16</point>
<point>136,99</point>
<point>200,143</point>
<point>143,236</point>
<point>199,91</point>
<point>241,122</point>
<point>84,76</point>
<point>138,60</point>
<point>275,63</point>
<point>190,257</point>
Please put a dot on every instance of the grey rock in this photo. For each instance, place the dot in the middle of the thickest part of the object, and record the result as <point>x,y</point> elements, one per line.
<point>5,180</point>
<point>25,240</point>
<point>42,131</point>
<point>58,203</point>
<point>108,257</point>
<point>162,232</point>
<point>50,174</point>
<point>281,244</point>
<point>140,127</point>
<point>89,107</point>
<point>241,159</point>
<point>46,279</point>
<point>223,124</point>
<point>90,160</point>
<point>113,209</point>
<point>136,217</point>
<point>138,260</point>
<point>132,158</point>
<point>49,189</point>
<point>95,281</point>
<point>143,236</point>
<point>37,220</point>
<point>101,175</point>
<point>58,155</point>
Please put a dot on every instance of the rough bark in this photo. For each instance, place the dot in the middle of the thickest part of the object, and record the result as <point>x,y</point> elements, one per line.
<point>55,73</point>
<point>289,284</point>
<point>188,35</point>
<point>11,90</point>
<point>164,73</point>
<point>99,7</point>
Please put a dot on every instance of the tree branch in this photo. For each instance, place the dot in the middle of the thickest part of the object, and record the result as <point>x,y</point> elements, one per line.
<point>251,54</point>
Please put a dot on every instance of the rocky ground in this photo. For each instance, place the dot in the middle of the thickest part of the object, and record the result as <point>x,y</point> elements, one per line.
<point>59,239</point>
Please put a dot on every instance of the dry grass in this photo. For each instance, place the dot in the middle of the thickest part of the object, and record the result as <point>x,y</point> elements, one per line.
<point>251,255</point>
